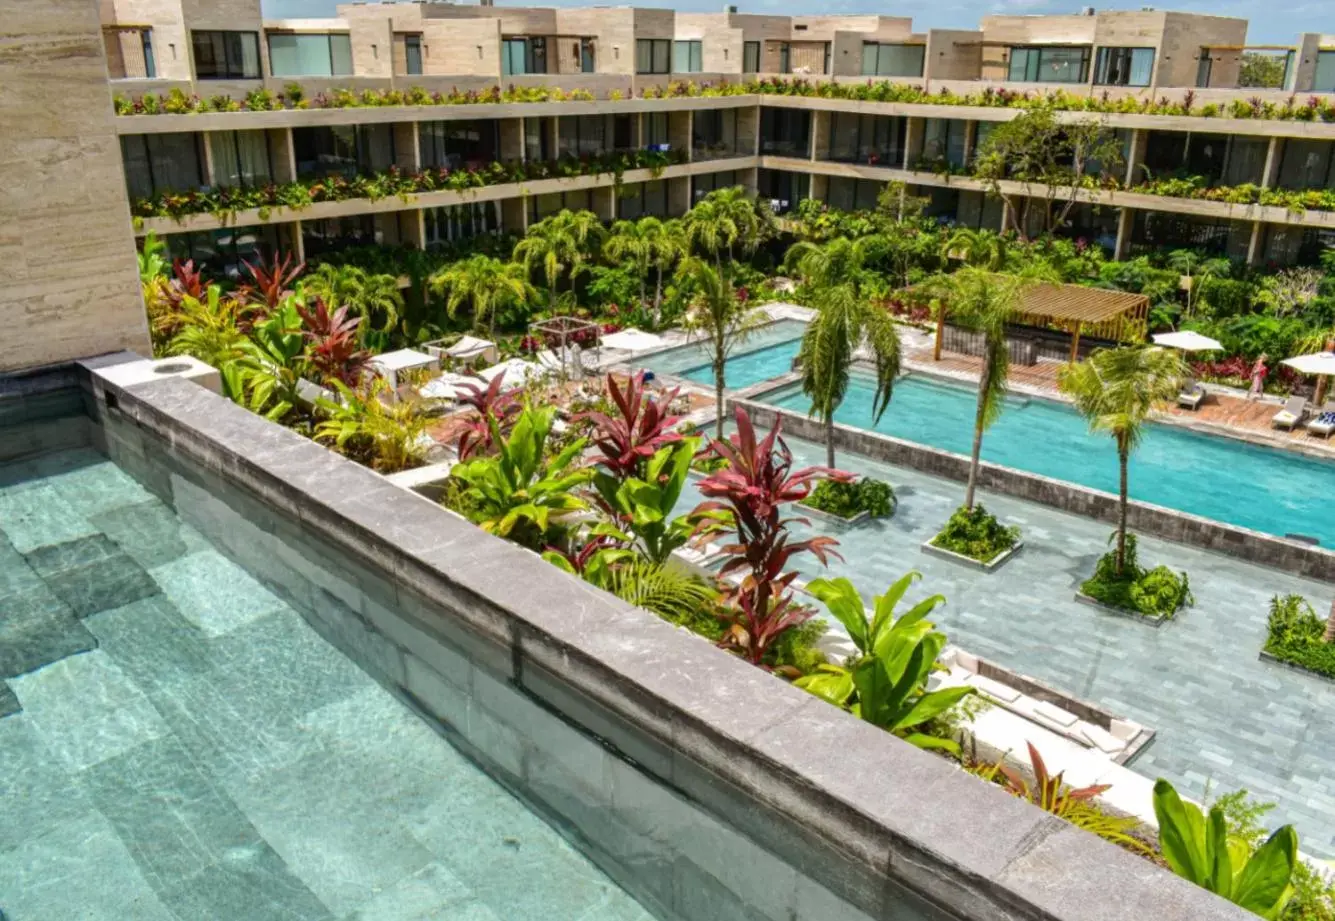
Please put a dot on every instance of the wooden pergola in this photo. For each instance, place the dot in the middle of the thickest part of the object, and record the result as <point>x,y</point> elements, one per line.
<point>1074,308</point>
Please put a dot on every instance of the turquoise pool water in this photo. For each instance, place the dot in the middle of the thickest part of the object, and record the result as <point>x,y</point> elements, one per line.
<point>1267,490</point>
<point>766,353</point>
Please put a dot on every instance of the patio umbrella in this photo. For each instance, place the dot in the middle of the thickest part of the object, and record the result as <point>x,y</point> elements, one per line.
<point>1320,363</point>
<point>632,340</point>
<point>1187,341</point>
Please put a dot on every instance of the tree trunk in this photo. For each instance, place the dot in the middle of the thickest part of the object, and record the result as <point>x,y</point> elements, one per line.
<point>658,300</point>
<point>1123,456</point>
<point>829,439</point>
<point>1329,636</point>
<point>719,382</point>
<point>977,438</point>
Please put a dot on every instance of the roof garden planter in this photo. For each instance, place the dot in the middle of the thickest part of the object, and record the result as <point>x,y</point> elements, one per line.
<point>832,518</point>
<point>1154,620</point>
<point>992,565</point>
<point>1293,666</point>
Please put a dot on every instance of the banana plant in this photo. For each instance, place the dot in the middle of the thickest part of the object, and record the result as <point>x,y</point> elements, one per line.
<point>886,683</point>
<point>1200,849</point>
<point>643,507</point>
<point>515,492</point>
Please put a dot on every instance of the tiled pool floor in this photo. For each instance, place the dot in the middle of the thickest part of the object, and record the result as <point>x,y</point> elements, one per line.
<point>1223,717</point>
<point>188,749</point>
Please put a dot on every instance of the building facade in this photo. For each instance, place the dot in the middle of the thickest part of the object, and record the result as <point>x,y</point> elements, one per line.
<point>395,89</point>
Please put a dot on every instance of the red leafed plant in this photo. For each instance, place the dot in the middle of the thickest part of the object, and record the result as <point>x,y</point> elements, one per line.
<point>1049,792</point>
<point>271,281</point>
<point>748,496</point>
<point>186,281</point>
<point>333,351</point>
<point>492,402</point>
<point>642,426</point>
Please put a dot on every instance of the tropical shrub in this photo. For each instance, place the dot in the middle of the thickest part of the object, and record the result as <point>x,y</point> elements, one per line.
<point>373,427</point>
<point>1294,633</point>
<point>886,683</point>
<point>976,533</point>
<point>1157,592</point>
<point>333,348</point>
<point>494,410</point>
<point>848,499</point>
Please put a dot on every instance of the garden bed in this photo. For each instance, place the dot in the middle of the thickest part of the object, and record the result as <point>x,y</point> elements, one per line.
<point>833,518</point>
<point>1154,620</point>
<point>989,566</point>
<point>1293,666</point>
<point>1295,638</point>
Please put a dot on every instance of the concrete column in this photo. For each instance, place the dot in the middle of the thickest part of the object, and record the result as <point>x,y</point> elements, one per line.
<point>820,186</point>
<point>406,150</point>
<point>639,131</point>
<point>820,135</point>
<point>1274,156</point>
<point>552,127</point>
<point>679,195</point>
<point>512,139</point>
<point>298,244</point>
<point>281,155</point>
<point>412,228</point>
<point>1126,220</point>
<point>748,131</point>
<point>210,175</point>
<point>749,179</point>
<point>514,214</point>
<point>679,133</point>
<point>1139,138</point>
<point>970,139</point>
<point>1256,243</point>
<point>914,135</point>
<point>605,203</point>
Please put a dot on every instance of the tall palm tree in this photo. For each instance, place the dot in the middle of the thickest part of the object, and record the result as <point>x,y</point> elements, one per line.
<point>375,298</point>
<point>562,244</point>
<point>984,301</point>
<point>633,242</point>
<point>490,285</point>
<point>840,261</point>
<point>983,248</point>
<point>726,218</point>
<point>842,321</point>
<point>670,247</point>
<point>717,317</point>
<point>1116,390</point>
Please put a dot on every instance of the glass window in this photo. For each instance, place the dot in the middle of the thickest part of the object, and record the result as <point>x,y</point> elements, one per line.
<point>785,58</point>
<point>537,140</point>
<point>1124,66</point>
<point>310,55</point>
<point>146,42</point>
<point>852,194</point>
<point>943,142</point>
<point>581,135</point>
<point>412,55</point>
<point>750,57</point>
<point>513,56</point>
<point>1306,165</point>
<point>687,57</point>
<point>884,60</point>
<point>877,140</point>
<point>586,56</point>
<point>455,144</point>
<point>642,199</point>
<point>785,132</point>
<point>460,222</point>
<point>241,158</point>
<point>221,252</point>
<point>705,183</point>
<point>654,125</point>
<point>157,163</point>
<point>1325,72</point>
<point>715,134</point>
<point>333,234</point>
<point>342,150</point>
<point>226,55</point>
<point>541,206</point>
<point>782,189</point>
<point>652,55</point>
<point>1049,64</point>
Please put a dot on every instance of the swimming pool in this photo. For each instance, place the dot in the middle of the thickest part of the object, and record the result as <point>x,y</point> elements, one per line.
<point>1267,490</point>
<point>766,353</point>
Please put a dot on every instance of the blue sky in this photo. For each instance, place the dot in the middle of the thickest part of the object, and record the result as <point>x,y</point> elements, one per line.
<point>1273,22</point>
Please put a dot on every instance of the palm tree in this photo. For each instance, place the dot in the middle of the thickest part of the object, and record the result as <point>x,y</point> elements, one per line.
<point>842,321</point>
<point>632,242</point>
<point>375,298</point>
<point>1196,268</point>
<point>984,301</point>
<point>719,318</point>
<point>726,218</point>
<point>490,285</point>
<point>839,261</point>
<point>670,246</point>
<point>1116,390</point>
<point>983,248</point>
<point>561,244</point>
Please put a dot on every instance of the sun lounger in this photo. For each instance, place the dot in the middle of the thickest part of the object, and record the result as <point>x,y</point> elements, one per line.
<point>1191,396</point>
<point>1323,423</point>
<point>1292,414</point>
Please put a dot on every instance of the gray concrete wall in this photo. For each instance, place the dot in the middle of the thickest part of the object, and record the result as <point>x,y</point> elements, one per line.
<point>69,287</point>
<point>705,786</point>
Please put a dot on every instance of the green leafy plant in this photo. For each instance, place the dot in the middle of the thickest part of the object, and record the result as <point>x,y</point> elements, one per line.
<point>1199,849</point>
<point>886,683</point>
<point>1294,633</point>
<point>373,427</point>
<point>849,499</point>
<point>976,533</point>
<point>1157,592</point>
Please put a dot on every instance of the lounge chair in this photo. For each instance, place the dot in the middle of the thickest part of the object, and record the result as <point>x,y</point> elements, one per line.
<point>566,362</point>
<point>1323,423</point>
<point>1191,396</point>
<point>1292,414</point>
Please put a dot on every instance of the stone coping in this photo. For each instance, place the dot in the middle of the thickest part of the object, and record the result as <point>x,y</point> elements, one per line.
<point>1154,620</point>
<point>1292,666</point>
<point>970,849</point>
<point>1143,517</point>
<point>991,565</point>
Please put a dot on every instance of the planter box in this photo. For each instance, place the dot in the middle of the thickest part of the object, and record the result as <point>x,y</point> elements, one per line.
<point>1293,666</point>
<point>822,515</point>
<point>1154,620</point>
<point>990,566</point>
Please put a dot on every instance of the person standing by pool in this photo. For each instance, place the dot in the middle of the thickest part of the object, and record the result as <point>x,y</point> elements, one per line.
<point>1259,372</point>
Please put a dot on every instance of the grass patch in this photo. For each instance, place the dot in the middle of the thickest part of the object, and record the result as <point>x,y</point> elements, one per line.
<point>977,534</point>
<point>849,499</point>
<point>1157,592</point>
<point>1295,635</point>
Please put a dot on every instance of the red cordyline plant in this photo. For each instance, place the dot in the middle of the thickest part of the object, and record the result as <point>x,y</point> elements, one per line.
<point>640,427</point>
<point>490,402</point>
<point>271,281</point>
<point>186,281</point>
<point>749,495</point>
<point>332,335</point>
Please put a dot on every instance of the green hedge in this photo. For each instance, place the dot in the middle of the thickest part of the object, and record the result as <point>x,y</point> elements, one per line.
<point>848,499</point>
<point>1295,633</point>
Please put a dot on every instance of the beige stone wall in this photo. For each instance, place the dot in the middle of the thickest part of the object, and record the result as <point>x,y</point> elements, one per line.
<point>371,33</point>
<point>953,55</point>
<point>69,288</point>
<point>654,24</point>
<point>1046,30</point>
<point>222,14</point>
<point>171,42</point>
<point>1183,37</point>
<point>464,47</point>
<point>721,42</point>
<point>873,28</point>
<point>613,34</point>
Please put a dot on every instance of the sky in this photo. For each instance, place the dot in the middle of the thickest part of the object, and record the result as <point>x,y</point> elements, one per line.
<point>1273,22</point>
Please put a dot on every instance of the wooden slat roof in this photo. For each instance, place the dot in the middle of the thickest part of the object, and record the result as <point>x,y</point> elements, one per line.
<point>1078,304</point>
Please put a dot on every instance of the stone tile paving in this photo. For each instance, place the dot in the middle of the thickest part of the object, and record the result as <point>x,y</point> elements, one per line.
<point>188,749</point>
<point>1223,717</point>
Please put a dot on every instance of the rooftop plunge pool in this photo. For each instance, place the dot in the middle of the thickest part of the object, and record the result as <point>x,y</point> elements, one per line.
<point>1272,491</point>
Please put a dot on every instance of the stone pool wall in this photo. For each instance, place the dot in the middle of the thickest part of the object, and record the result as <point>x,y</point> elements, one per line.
<point>1155,520</point>
<point>707,787</point>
